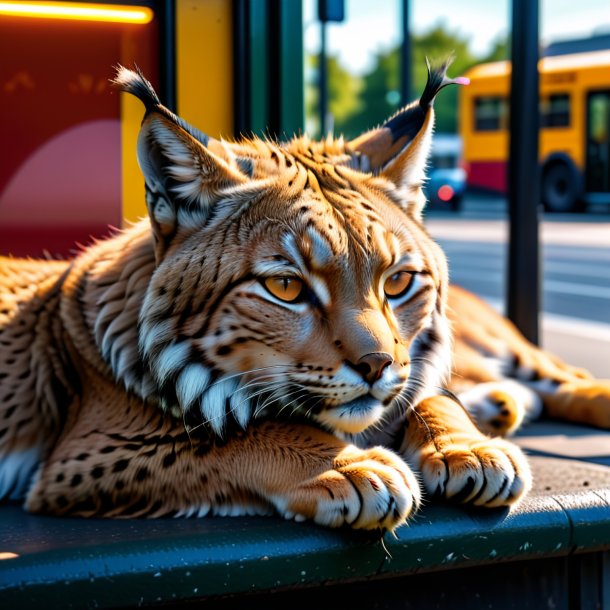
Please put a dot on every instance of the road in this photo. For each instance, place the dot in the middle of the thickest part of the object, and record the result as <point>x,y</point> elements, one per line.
<point>575,266</point>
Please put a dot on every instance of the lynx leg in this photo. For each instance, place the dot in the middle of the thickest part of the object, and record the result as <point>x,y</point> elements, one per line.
<point>499,408</point>
<point>489,350</point>
<point>488,346</point>
<point>134,461</point>
<point>458,462</point>
<point>585,401</point>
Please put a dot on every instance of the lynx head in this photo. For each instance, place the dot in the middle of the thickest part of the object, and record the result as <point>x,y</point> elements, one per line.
<point>293,278</point>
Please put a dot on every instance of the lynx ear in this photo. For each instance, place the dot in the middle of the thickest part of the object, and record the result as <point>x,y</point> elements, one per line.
<point>398,150</point>
<point>184,177</point>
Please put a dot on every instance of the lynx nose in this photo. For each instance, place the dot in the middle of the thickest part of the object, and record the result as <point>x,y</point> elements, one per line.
<point>371,366</point>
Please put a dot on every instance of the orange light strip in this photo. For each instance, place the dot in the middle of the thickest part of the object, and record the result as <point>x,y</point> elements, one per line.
<point>7,555</point>
<point>79,11</point>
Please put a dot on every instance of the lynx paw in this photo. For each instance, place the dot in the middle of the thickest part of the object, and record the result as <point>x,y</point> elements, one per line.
<point>480,471</point>
<point>499,408</point>
<point>372,489</point>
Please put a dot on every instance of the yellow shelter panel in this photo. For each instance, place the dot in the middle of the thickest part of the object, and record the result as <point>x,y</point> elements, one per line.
<point>204,88</point>
<point>204,70</point>
<point>132,183</point>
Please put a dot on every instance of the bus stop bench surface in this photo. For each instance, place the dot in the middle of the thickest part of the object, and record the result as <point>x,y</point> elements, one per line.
<point>445,552</point>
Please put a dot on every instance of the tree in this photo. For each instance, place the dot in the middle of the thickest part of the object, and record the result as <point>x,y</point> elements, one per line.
<point>438,44</point>
<point>376,103</point>
<point>380,98</point>
<point>344,92</point>
<point>499,51</point>
<point>360,103</point>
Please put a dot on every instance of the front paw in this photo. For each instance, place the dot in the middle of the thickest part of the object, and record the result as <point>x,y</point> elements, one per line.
<point>370,489</point>
<point>476,470</point>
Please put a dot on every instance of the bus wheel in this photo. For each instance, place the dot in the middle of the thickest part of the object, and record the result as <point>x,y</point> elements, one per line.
<point>560,188</point>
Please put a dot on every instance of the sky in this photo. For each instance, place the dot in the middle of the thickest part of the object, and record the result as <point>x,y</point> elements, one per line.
<point>374,25</point>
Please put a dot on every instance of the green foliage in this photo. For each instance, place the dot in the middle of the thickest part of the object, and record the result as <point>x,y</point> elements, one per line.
<point>358,103</point>
<point>376,105</point>
<point>499,52</point>
<point>344,91</point>
<point>437,44</point>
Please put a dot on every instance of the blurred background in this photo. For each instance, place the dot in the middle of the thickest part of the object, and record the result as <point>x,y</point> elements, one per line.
<point>278,67</point>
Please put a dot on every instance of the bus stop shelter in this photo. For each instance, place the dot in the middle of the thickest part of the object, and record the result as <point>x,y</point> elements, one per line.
<point>552,551</point>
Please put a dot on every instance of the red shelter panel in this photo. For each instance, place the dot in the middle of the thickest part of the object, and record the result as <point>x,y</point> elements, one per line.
<point>60,129</point>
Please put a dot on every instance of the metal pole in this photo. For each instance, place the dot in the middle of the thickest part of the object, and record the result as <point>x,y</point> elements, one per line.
<point>323,82</point>
<point>241,72</point>
<point>167,34</point>
<point>405,57</point>
<point>523,172</point>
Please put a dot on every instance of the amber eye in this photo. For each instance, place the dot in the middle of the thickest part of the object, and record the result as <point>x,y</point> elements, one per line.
<point>287,289</point>
<point>397,284</point>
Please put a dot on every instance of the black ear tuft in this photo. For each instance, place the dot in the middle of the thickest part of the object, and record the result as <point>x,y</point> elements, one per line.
<point>135,83</point>
<point>408,121</point>
<point>437,80</point>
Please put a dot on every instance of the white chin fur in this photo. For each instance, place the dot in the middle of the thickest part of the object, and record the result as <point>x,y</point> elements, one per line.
<point>348,419</point>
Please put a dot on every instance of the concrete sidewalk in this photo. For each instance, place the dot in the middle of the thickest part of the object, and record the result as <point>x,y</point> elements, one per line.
<point>587,234</point>
<point>579,341</point>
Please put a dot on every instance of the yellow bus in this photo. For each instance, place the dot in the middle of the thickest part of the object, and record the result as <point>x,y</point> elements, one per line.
<point>574,128</point>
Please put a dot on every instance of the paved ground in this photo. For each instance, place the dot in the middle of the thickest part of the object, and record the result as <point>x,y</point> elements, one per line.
<point>575,265</point>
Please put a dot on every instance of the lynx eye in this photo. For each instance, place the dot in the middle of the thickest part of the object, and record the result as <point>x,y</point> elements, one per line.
<point>397,284</point>
<point>285,288</point>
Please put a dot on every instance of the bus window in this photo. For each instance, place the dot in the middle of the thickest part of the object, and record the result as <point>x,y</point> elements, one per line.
<point>555,110</point>
<point>598,142</point>
<point>573,98</point>
<point>490,113</point>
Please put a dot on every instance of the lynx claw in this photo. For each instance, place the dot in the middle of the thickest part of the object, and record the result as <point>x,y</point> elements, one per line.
<point>483,472</point>
<point>369,490</point>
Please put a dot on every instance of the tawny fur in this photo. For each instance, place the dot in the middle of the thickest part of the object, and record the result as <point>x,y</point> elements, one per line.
<point>488,349</point>
<point>158,373</point>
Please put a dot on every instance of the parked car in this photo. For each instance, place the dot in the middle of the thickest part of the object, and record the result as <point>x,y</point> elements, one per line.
<point>446,178</point>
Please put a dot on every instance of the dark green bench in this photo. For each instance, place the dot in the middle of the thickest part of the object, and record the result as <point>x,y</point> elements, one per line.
<point>551,552</point>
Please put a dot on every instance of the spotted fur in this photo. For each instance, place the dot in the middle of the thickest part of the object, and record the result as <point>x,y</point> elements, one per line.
<point>158,374</point>
<point>504,381</point>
